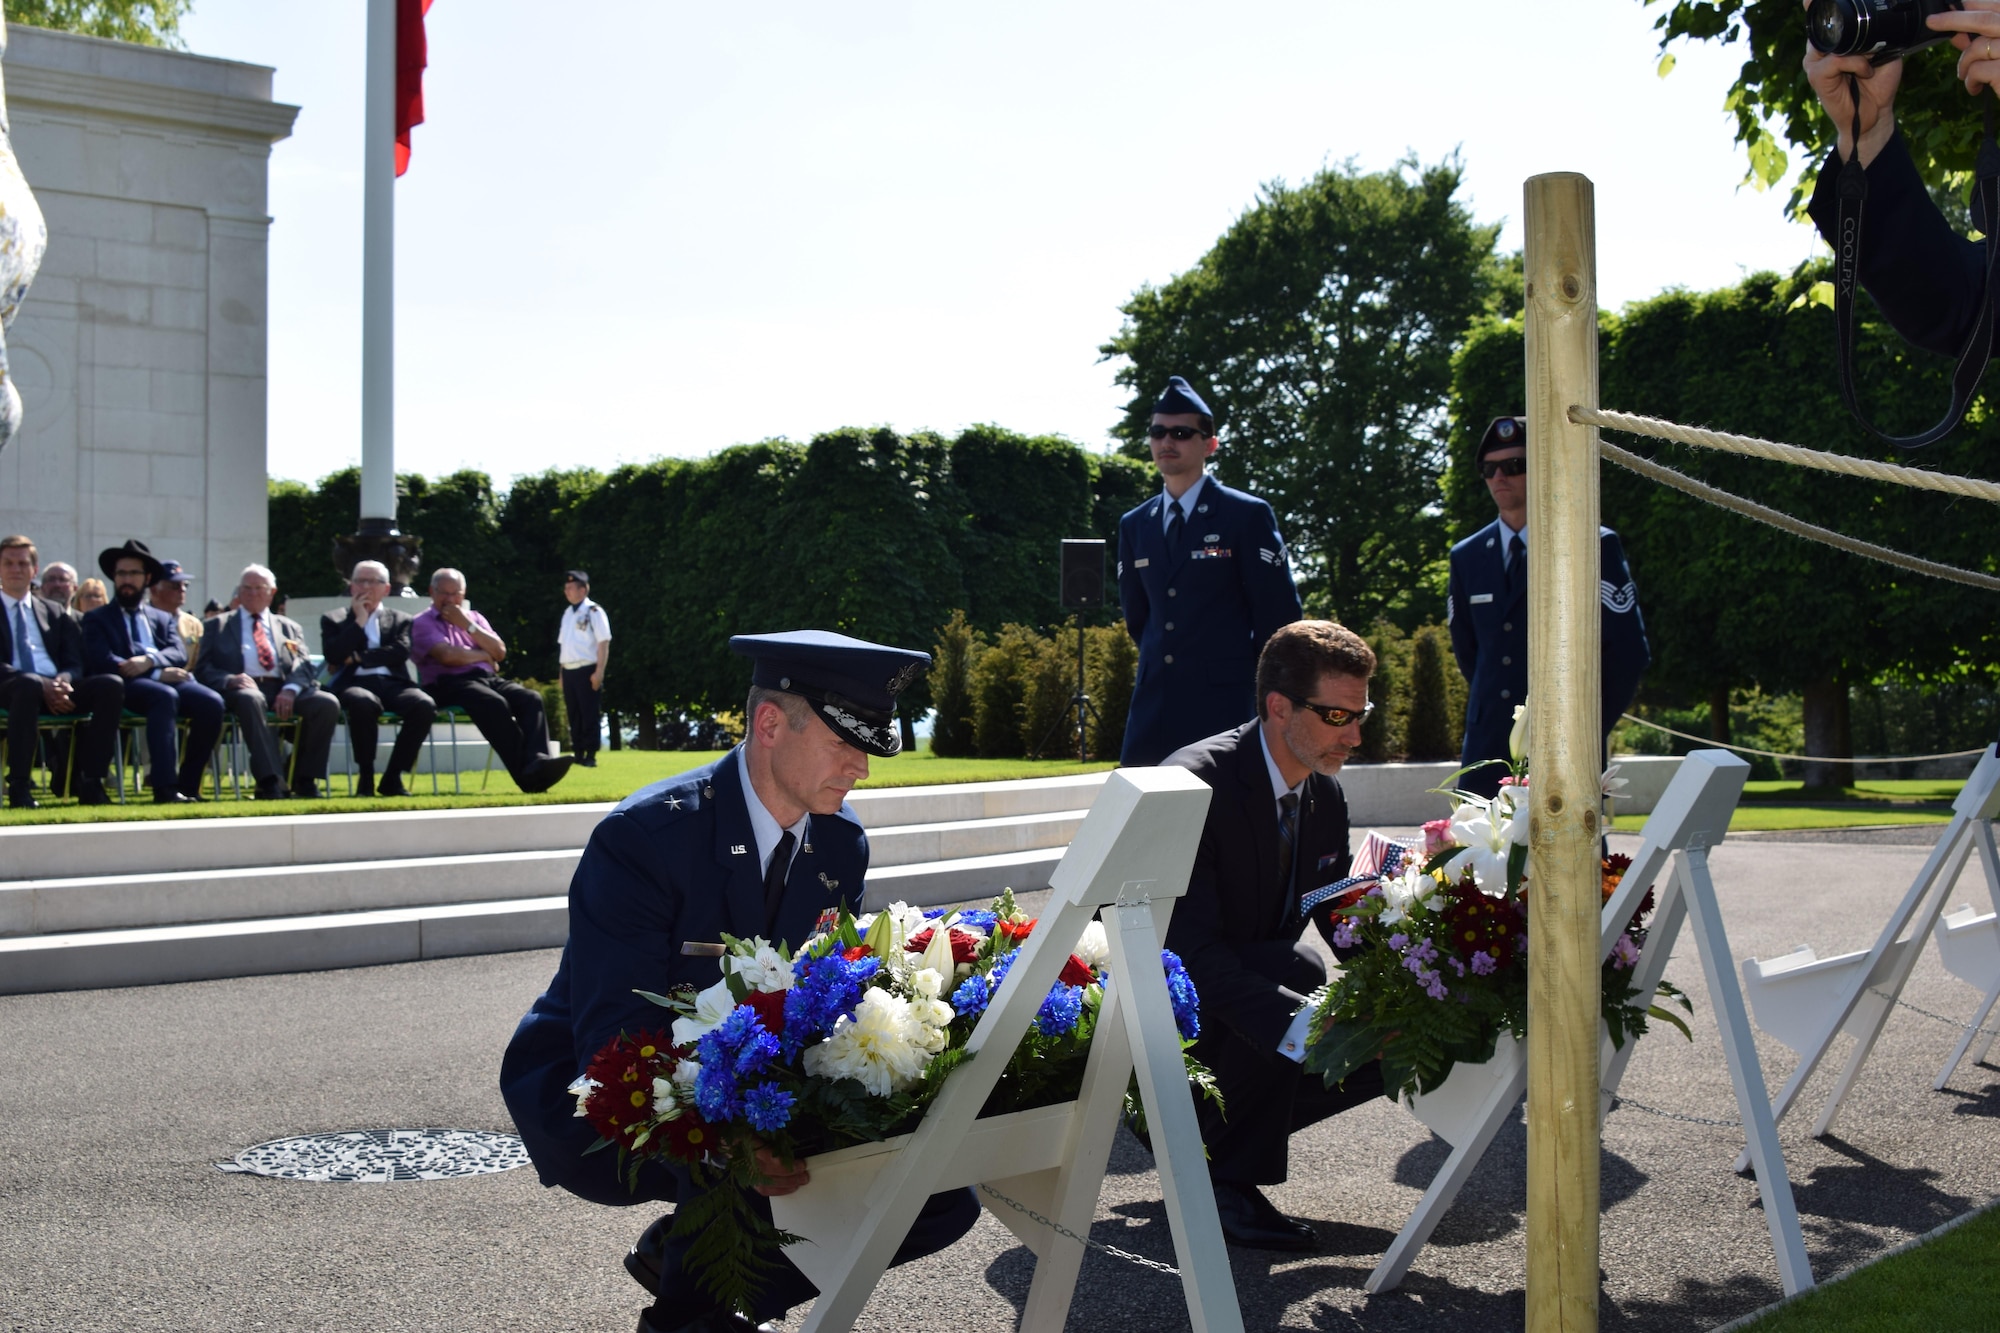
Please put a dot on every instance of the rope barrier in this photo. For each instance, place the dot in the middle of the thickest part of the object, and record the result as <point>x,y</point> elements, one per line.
<point>1807,758</point>
<point>1666,476</point>
<point>1787,453</point>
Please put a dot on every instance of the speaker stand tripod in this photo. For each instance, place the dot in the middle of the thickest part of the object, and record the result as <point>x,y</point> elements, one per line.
<point>1079,705</point>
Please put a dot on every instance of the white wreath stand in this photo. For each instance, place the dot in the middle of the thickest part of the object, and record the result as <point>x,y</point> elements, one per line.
<point>1806,1002</point>
<point>1131,858</point>
<point>1468,1109</point>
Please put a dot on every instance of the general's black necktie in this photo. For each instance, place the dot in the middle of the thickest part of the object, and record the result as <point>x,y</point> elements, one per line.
<point>1517,564</point>
<point>774,877</point>
<point>1174,516</point>
<point>1288,841</point>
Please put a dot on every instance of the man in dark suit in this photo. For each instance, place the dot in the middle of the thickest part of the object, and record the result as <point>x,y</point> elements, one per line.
<point>256,660</point>
<point>367,647</point>
<point>143,645</point>
<point>1276,831</point>
<point>1488,612</point>
<point>1203,582</point>
<point>41,671</point>
<point>758,843</point>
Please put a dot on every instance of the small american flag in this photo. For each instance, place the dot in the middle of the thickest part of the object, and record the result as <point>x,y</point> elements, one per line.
<point>1379,856</point>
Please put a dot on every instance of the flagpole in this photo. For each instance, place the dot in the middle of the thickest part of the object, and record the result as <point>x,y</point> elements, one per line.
<point>377,537</point>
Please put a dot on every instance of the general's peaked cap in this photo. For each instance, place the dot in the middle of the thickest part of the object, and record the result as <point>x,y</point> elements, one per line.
<point>852,684</point>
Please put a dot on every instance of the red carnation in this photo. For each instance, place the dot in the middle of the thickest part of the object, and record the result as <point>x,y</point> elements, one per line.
<point>770,1007</point>
<point>624,1072</point>
<point>1076,972</point>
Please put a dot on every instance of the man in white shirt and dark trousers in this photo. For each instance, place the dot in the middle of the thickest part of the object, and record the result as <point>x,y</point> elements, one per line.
<point>256,660</point>
<point>367,647</point>
<point>585,642</point>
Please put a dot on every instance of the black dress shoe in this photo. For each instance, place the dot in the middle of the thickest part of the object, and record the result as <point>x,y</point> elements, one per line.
<point>719,1321</point>
<point>168,796</point>
<point>586,761</point>
<point>308,791</point>
<point>20,800</point>
<point>91,791</point>
<point>364,784</point>
<point>643,1260</point>
<point>545,773</point>
<point>392,785</point>
<point>271,789</point>
<point>1251,1220</point>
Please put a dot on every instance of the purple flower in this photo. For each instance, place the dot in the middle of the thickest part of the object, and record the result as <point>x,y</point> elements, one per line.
<point>1482,964</point>
<point>1399,941</point>
<point>1343,933</point>
<point>1456,966</point>
<point>1625,953</point>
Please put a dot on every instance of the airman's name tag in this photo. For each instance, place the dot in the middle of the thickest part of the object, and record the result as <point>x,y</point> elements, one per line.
<point>1142,562</point>
<point>1480,598</point>
<point>697,949</point>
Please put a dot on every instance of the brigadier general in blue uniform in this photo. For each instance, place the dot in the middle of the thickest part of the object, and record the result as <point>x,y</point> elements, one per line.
<point>1488,611</point>
<point>1203,582</point>
<point>760,842</point>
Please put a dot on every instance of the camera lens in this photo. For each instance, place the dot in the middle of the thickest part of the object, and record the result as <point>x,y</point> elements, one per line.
<point>1831,26</point>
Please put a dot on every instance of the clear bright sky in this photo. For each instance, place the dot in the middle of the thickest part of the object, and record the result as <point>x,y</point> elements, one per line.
<point>675,227</point>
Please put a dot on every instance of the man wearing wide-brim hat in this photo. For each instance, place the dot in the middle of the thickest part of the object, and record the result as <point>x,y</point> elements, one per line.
<point>143,644</point>
<point>759,843</point>
<point>1488,611</point>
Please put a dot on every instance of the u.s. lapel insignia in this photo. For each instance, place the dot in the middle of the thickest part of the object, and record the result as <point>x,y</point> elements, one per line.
<point>832,885</point>
<point>738,849</point>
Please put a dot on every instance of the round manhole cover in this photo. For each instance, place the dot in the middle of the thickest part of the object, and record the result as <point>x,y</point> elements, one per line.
<point>375,1156</point>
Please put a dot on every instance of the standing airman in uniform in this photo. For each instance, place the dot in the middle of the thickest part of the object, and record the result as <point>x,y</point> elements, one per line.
<point>1203,581</point>
<point>1488,611</point>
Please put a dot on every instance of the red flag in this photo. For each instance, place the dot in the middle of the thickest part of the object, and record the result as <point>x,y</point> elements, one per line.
<point>411,57</point>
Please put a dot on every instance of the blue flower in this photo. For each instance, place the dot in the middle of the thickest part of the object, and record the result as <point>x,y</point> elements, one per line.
<point>824,990</point>
<point>736,1049</point>
<point>971,997</point>
<point>1181,993</point>
<point>1060,1011</point>
<point>768,1108</point>
<point>978,920</point>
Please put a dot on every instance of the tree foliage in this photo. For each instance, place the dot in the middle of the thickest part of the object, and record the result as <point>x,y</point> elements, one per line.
<point>147,22</point>
<point>1320,327</point>
<point>1773,105</point>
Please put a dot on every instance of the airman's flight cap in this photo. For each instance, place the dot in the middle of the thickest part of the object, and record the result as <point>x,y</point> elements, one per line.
<point>1179,397</point>
<point>852,684</point>
<point>1502,433</point>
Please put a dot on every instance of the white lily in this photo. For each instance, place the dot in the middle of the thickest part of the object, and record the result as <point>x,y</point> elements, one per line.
<point>937,954</point>
<point>764,969</point>
<point>1406,892</point>
<point>710,1008</point>
<point>1093,947</point>
<point>1488,831</point>
<point>1613,786</point>
<point>1523,733</point>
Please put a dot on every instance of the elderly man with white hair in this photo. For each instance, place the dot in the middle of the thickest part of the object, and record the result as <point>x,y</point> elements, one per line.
<point>59,582</point>
<point>367,647</point>
<point>257,661</point>
<point>458,658</point>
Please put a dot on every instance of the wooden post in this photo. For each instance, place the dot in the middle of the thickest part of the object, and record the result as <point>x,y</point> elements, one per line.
<point>1564,888</point>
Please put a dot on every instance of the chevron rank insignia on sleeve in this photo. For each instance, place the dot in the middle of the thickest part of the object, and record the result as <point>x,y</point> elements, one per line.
<point>1618,600</point>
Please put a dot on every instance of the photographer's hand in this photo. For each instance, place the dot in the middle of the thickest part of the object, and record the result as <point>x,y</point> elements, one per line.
<point>1976,33</point>
<point>1877,83</point>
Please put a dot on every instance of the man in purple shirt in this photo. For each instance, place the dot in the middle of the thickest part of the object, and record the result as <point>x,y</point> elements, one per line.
<point>457,656</point>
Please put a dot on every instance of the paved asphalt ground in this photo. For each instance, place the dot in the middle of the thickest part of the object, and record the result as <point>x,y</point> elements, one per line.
<point>114,1105</point>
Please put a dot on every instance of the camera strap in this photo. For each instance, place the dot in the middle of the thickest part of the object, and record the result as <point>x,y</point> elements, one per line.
<point>1972,359</point>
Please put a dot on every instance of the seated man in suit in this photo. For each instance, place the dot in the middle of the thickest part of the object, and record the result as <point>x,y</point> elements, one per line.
<point>367,647</point>
<point>1276,830</point>
<point>256,660</point>
<point>820,704</point>
<point>41,671</point>
<point>458,656</point>
<point>143,645</point>
<point>58,582</point>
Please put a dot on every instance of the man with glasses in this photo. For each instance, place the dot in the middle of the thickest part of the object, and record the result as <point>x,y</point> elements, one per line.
<point>1488,611</point>
<point>367,647</point>
<point>1203,581</point>
<point>58,582</point>
<point>1276,831</point>
<point>256,660</point>
<point>42,673</point>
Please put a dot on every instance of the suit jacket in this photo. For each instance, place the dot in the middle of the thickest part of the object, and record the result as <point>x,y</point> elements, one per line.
<point>675,862</point>
<point>341,636</point>
<point>1489,636</point>
<point>222,652</point>
<point>61,635</point>
<point>107,638</point>
<point>1234,899</point>
<point>1200,614</point>
<point>1926,278</point>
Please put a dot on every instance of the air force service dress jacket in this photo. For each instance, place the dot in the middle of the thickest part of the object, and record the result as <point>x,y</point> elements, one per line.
<point>1200,613</point>
<point>675,862</point>
<point>1489,636</point>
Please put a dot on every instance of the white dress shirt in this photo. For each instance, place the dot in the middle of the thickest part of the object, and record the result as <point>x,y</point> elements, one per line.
<point>1186,502</point>
<point>251,667</point>
<point>373,629</point>
<point>45,666</point>
<point>1293,1044</point>
<point>764,825</point>
<point>584,626</point>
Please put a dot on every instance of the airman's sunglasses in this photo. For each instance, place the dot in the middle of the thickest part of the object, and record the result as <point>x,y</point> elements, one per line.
<point>1503,467</point>
<point>1157,432</point>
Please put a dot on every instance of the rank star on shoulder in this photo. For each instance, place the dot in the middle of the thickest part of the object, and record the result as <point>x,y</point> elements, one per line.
<point>673,801</point>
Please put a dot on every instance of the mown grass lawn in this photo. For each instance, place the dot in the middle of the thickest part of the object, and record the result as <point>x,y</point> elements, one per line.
<point>617,775</point>
<point>1945,1285</point>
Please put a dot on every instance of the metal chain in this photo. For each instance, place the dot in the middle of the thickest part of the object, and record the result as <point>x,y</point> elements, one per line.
<point>1622,1100</point>
<point>1062,1230</point>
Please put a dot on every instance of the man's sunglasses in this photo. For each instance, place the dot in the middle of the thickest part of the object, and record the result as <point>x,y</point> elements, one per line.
<point>1178,432</point>
<point>1504,467</point>
<point>1334,717</point>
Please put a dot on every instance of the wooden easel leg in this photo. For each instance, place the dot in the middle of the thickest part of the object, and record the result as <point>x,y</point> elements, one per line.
<point>1451,1178</point>
<point>1746,1075</point>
